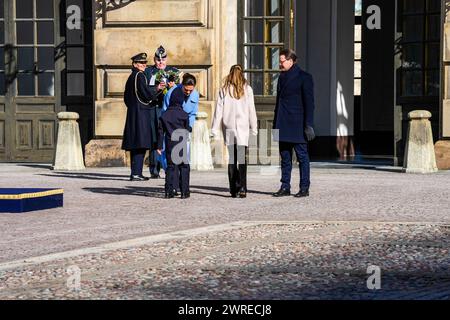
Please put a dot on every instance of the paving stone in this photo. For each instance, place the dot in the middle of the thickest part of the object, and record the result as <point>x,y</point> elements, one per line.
<point>267,261</point>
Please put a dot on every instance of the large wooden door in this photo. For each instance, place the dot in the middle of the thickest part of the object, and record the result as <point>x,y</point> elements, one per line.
<point>30,88</point>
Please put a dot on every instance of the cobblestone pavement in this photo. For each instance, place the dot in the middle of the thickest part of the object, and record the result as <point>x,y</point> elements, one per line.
<point>259,260</point>
<point>130,243</point>
<point>102,206</point>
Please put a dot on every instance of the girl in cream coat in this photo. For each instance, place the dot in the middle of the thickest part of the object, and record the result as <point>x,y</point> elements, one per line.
<point>235,116</point>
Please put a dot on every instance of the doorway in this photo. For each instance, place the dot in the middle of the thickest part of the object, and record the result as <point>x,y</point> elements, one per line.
<point>29,80</point>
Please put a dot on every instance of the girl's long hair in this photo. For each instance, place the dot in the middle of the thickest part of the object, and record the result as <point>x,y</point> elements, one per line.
<point>235,82</point>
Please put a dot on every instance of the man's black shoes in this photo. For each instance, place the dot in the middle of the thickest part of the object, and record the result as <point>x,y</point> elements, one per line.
<point>138,177</point>
<point>302,193</point>
<point>169,195</point>
<point>154,176</point>
<point>282,193</point>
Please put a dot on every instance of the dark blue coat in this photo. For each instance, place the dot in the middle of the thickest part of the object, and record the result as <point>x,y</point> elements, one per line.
<point>140,130</point>
<point>294,108</point>
<point>172,119</point>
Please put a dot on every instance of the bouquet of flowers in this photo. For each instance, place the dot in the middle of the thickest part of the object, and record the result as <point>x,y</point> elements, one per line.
<point>168,76</point>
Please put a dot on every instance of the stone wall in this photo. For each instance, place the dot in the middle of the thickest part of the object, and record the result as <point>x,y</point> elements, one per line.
<point>199,35</point>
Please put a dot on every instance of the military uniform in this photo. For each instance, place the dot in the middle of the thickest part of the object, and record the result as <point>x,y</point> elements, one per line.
<point>138,135</point>
<point>175,118</point>
<point>157,104</point>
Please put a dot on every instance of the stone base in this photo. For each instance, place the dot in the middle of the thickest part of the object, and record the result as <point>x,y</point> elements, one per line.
<point>106,153</point>
<point>442,150</point>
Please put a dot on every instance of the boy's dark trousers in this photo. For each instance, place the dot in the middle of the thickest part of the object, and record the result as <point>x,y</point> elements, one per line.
<point>183,172</point>
<point>177,175</point>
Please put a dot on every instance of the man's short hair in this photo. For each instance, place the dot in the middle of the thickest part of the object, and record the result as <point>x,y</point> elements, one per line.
<point>189,80</point>
<point>289,54</point>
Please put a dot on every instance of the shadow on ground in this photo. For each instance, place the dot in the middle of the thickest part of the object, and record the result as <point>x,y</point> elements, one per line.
<point>158,192</point>
<point>153,192</point>
<point>88,176</point>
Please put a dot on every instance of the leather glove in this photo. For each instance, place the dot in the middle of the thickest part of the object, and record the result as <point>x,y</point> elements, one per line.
<point>309,133</point>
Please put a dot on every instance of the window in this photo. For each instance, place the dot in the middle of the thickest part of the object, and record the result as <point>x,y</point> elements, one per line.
<point>75,56</point>
<point>264,27</point>
<point>420,25</point>
<point>35,47</point>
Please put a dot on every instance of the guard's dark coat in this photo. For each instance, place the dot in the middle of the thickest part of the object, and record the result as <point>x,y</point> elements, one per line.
<point>295,105</point>
<point>141,124</point>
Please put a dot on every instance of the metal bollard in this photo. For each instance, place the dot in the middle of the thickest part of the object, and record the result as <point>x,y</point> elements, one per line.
<point>68,154</point>
<point>419,153</point>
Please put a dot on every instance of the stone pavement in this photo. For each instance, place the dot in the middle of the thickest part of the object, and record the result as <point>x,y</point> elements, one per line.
<point>248,261</point>
<point>128,242</point>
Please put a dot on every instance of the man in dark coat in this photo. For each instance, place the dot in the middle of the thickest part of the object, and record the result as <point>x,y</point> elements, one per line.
<point>138,134</point>
<point>174,128</point>
<point>294,116</point>
<point>161,86</point>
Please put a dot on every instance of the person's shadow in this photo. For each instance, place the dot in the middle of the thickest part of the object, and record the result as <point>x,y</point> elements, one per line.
<point>158,192</point>
<point>226,190</point>
<point>153,192</point>
<point>87,176</point>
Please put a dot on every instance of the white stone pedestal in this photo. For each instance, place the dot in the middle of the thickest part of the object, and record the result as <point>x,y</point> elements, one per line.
<point>200,157</point>
<point>68,154</point>
<point>419,154</point>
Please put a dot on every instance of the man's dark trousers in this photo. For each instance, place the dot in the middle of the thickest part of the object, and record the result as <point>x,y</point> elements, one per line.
<point>155,165</point>
<point>301,151</point>
<point>137,161</point>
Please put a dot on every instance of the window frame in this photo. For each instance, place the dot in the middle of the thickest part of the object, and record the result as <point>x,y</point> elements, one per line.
<point>35,45</point>
<point>287,23</point>
<point>425,41</point>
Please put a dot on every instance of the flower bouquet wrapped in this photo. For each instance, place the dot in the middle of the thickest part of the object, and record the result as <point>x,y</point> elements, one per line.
<point>168,76</point>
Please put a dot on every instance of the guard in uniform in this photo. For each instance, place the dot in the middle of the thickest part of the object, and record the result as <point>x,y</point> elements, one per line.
<point>151,72</point>
<point>175,119</point>
<point>140,133</point>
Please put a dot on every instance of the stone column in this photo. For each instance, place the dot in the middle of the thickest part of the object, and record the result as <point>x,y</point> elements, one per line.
<point>419,155</point>
<point>200,152</point>
<point>68,154</point>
